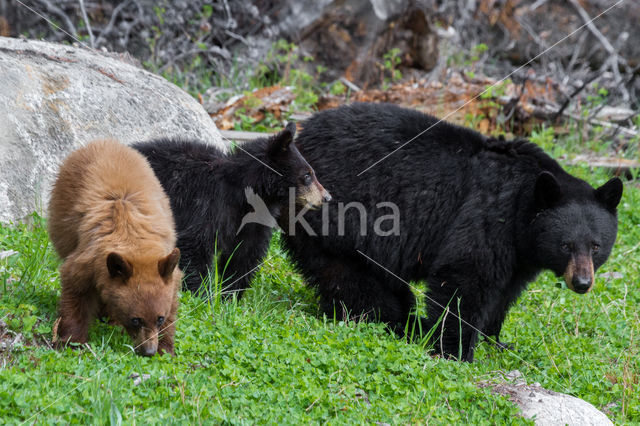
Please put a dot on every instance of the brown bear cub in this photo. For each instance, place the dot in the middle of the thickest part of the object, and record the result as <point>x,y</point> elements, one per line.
<point>111,223</point>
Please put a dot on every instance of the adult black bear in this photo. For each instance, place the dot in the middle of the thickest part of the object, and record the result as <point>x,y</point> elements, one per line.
<point>476,218</point>
<point>212,192</point>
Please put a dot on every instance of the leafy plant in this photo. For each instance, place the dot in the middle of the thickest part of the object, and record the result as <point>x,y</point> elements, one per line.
<point>391,60</point>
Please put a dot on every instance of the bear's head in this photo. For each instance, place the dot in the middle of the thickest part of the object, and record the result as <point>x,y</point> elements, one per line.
<point>284,156</point>
<point>574,229</point>
<point>138,293</point>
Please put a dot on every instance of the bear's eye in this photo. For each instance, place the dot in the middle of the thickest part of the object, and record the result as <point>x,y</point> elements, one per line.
<point>136,322</point>
<point>595,247</point>
<point>565,247</point>
<point>307,179</point>
<point>160,321</point>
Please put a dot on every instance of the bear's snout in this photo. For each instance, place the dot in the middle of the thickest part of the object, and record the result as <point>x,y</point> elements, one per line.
<point>313,196</point>
<point>579,275</point>
<point>147,349</point>
<point>147,342</point>
<point>581,285</point>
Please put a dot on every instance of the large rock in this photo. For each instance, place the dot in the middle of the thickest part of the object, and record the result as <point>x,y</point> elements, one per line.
<point>55,98</point>
<point>548,408</point>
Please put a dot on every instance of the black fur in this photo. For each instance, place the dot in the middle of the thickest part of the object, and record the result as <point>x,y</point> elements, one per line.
<point>479,219</point>
<point>207,192</point>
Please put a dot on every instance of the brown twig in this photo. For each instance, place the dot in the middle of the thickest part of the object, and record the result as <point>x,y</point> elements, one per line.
<point>572,95</point>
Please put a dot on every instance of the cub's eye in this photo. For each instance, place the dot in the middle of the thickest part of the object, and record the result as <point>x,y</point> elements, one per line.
<point>595,247</point>
<point>307,179</point>
<point>565,247</point>
<point>136,322</point>
<point>160,321</point>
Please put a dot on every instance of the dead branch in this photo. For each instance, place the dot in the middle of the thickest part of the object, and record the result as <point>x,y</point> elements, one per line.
<point>61,14</point>
<point>114,15</point>
<point>87,23</point>
<point>591,26</point>
<point>566,103</point>
<point>614,60</point>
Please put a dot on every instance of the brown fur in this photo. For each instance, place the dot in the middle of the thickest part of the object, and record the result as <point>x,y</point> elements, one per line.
<point>111,222</point>
<point>314,195</point>
<point>579,266</point>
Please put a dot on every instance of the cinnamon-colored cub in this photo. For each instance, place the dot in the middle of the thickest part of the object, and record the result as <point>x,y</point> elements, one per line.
<point>111,222</point>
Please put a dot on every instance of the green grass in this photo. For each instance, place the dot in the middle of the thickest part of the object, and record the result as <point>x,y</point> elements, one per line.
<point>272,358</point>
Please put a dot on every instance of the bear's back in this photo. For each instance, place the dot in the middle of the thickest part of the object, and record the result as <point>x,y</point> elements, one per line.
<point>187,169</point>
<point>108,190</point>
<point>451,185</point>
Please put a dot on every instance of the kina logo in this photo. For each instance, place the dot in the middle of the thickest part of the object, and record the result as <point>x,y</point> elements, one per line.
<point>260,214</point>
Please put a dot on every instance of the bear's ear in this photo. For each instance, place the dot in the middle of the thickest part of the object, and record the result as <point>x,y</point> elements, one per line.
<point>167,264</point>
<point>610,193</point>
<point>547,191</point>
<point>119,267</point>
<point>280,142</point>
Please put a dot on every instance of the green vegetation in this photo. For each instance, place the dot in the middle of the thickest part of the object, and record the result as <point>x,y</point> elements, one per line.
<point>391,61</point>
<point>272,358</point>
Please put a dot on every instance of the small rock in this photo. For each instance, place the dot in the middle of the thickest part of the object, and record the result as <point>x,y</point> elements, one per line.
<point>362,395</point>
<point>7,253</point>
<point>9,339</point>
<point>611,275</point>
<point>137,378</point>
<point>514,374</point>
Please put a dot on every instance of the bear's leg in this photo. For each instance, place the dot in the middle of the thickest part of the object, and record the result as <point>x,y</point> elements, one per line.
<point>195,277</point>
<point>166,342</point>
<point>239,269</point>
<point>493,330</point>
<point>196,256</point>
<point>498,314</point>
<point>240,276</point>
<point>456,323</point>
<point>194,268</point>
<point>195,264</point>
<point>234,275</point>
<point>352,289</point>
<point>78,304</point>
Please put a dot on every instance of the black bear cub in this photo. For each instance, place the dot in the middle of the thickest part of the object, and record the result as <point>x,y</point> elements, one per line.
<point>228,203</point>
<point>476,218</point>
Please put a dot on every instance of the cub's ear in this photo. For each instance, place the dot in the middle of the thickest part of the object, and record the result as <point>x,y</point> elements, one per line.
<point>280,142</point>
<point>119,267</point>
<point>610,193</point>
<point>167,264</point>
<point>547,191</point>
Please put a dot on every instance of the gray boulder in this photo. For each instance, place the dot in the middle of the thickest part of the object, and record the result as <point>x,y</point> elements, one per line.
<point>55,98</point>
<point>548,408</point>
